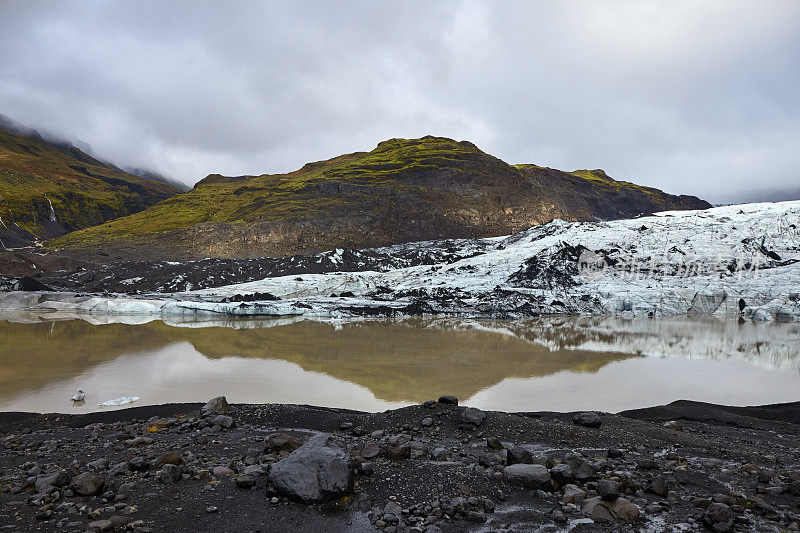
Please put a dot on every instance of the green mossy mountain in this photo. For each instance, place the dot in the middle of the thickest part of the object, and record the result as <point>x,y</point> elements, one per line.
<point>404,190</point>
<point>49,188</point>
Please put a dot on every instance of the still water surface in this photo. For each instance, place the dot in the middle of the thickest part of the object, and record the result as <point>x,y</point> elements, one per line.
<point>543,364</point>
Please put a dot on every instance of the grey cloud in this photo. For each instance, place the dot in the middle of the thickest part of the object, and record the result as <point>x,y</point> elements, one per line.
<point>691,97</point>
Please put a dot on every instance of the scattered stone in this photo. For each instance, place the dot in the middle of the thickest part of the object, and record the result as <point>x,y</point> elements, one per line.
<point>519,455</point>
<point>169,458</point>
<point>449,400</point>
<point>281,442</point>
<point>472,415</point>
<point>494,443</point>
<point>621,511</point>
<point>87,484</point>
<point>397,451</point>
<point>587,419</point>
<point>215,406</point>
<point>138,464</point>
<point>100,525</point>
<point>245,482</point>
<point>171,474</point>
<point>224,421</point>
<point>608,490</point>
<point>427,422</point>
<point>658,485</point>
<point>98,465</point>
<point>573,494</point>
<point>371,450</point>
<point>528,476</point>
<point>562,474</point>
<point>221,471</point>
<point>613,453</point>
<point>60,478</point>
<point>719,517</point>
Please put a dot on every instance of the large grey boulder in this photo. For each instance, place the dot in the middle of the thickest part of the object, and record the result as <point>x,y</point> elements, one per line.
<point>528,476</point>
<point>316,471</point>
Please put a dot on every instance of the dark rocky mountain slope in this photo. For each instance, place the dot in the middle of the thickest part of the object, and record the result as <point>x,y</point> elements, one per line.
<point>48,188</point>
<point>404,190</point>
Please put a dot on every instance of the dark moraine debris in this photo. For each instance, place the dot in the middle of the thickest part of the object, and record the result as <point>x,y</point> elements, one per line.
<point>515,472</point>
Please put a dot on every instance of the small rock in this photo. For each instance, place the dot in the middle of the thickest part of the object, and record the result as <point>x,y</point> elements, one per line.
<point>608,490</point>
<point>169,458</point>
<point>171,474</point>
<point>529,476</point>
<point>719,517</point>
<point>87,484</point>
<point>587,419</point>
<point>100,464</point>
<point>100,525</point>
<point>224,421</point>
<point>573,494</point>
<point>398,451</point>
<point>245,482</point>
<point>371,450</point>
<point>620,510</point>
<point>215,406</point>
<point>519,455</point>
<point>472,415</point>
<point>138,464</point>
<point>211,509</point>
<point>427,422</point>
<point>220,471</point>
<point>658,485</point>
<point>494,443</point>
<point>61,478</point>
<point>562,474</point>
<point>449,400</point>
<point>281,442</point>
<point>613,453</point>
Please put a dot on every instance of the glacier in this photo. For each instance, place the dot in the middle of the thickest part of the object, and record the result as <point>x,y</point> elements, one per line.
<point>732,261</point>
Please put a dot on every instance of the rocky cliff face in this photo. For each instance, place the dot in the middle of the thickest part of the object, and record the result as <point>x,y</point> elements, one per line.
<point>404,190</point>
<point>48,188</point>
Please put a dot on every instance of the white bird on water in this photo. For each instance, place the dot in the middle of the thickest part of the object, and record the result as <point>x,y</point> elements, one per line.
<point>79,396</point>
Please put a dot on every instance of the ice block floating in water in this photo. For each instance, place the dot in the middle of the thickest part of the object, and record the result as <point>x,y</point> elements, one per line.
<point>119,401</point>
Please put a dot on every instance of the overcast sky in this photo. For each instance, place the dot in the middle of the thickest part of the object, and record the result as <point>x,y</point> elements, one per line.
<point>696,97</point>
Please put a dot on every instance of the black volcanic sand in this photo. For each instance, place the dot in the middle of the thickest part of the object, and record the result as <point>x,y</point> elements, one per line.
<point>684,466</point>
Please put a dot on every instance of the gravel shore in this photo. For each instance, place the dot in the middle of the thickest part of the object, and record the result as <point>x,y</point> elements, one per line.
<point>432,467</point>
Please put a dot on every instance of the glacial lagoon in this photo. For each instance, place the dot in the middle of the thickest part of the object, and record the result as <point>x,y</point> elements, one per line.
<point>543,364</point>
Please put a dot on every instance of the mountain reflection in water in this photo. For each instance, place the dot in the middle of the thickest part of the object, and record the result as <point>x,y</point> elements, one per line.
<point>548,363</point>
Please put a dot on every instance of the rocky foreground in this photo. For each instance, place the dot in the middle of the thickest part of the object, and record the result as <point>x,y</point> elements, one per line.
<point>433,467</point>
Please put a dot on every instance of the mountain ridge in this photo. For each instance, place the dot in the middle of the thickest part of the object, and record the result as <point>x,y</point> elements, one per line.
<point>403,190</point>
<point>49,187</point>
